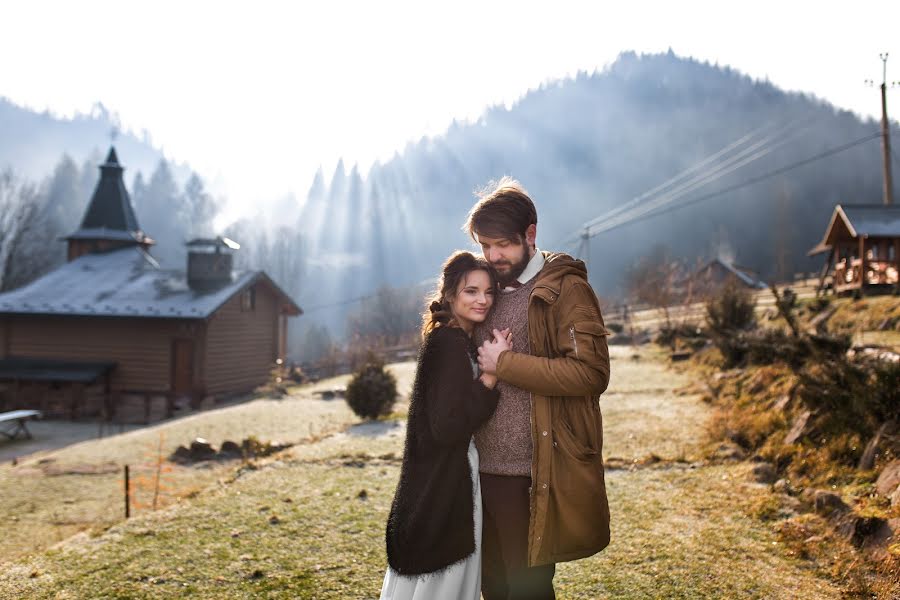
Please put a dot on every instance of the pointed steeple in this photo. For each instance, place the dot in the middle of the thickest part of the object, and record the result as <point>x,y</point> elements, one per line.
<point>109,221</point>
<point>112,158</point>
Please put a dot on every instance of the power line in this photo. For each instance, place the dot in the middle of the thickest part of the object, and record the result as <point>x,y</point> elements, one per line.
<point>422,284</point>
<point>671,181</point>
<point>720,171</point>
<point>570,242</point>
<point>753,180</point>
<point>339,303</point>
<point>758,149</point>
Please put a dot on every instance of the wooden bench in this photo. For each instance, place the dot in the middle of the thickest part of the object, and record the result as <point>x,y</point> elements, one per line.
<point>12,423</point>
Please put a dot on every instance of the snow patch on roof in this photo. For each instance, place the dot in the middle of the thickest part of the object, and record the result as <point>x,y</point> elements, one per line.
<point>123,283</point>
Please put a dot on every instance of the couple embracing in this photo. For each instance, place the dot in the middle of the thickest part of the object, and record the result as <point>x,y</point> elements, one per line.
<point>502,473</point>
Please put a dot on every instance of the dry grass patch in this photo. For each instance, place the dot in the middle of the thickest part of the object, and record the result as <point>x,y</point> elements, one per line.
<point>301,526</point>
<point>40,510</point>
<point>868,314</point>
<point>688,533</point>
<point>309,523</point>
<point>642,411</point>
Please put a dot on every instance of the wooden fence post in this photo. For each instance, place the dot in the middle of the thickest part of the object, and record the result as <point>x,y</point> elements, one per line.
<point>127,494</point>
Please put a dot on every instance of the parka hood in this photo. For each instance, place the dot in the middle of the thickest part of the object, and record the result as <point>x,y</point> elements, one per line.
<point>557,266</point>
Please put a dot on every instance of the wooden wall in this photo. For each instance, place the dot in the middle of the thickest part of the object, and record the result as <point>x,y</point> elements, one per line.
<point>141,347</point>
<point>241,346</point>
<point>234,350</point>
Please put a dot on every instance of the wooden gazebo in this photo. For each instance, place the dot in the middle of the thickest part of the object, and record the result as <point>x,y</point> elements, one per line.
<point>863,246</point>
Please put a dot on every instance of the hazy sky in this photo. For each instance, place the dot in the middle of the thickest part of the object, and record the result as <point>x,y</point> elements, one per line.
<point>257,95</point>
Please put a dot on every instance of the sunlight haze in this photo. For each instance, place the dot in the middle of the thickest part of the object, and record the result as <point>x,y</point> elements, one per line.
<point>300,85</point>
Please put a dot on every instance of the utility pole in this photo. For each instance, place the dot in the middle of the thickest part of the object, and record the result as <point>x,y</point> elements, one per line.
<point>885,133</point>
<point>584,250</point>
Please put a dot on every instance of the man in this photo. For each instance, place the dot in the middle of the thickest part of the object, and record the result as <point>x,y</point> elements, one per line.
<point>542,480</point>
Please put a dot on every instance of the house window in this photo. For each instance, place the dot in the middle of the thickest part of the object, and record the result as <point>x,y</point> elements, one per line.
<point>248,299</point>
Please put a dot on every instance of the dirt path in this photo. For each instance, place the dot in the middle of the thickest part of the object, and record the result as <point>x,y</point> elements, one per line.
<point>310,522</point>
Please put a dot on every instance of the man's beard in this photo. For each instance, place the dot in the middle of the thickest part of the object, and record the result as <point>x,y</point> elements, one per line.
<point>515,269</point>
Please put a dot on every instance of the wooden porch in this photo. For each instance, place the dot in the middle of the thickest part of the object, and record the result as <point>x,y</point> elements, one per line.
<point>863,247</point>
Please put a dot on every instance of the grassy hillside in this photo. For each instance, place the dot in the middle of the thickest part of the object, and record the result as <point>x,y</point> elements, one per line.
<point>823,429</point>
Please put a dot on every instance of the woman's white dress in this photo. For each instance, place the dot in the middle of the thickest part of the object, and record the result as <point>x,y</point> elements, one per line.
<point>459,581</point>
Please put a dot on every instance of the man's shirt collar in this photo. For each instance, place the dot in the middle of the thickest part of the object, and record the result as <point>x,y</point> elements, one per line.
<point>533,267</point>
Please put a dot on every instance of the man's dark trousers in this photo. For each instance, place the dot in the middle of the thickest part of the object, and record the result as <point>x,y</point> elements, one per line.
<point>505,574</point>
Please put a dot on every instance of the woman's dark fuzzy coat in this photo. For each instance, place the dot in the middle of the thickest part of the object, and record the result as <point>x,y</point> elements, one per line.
<point>431,523</point>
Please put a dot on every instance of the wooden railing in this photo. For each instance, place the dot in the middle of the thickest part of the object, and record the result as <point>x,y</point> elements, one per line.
<point>881,272</point>
<point>847,274</point>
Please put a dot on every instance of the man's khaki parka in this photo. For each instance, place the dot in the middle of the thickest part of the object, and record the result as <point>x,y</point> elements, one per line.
<point>566,372</point>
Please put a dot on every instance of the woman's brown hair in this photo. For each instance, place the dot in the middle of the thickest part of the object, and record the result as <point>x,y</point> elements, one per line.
<point>456,267</point>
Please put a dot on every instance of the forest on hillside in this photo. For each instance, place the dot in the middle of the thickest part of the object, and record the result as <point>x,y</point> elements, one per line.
<point>582,146</point>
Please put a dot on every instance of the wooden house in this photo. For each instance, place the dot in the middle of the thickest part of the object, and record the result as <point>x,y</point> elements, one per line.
<point>718,272</point>
<point>713,275</point>
<point>113,324</point>
<point>863,246</point>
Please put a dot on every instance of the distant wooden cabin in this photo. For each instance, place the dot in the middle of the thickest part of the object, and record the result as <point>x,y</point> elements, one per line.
<point>863,246</point>
<point>716,273</point>
<point>112,324</point>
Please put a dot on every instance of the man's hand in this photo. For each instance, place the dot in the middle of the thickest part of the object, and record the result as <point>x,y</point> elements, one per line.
<point>489,353</point>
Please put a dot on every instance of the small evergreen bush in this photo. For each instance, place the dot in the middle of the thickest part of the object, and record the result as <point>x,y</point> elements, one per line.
<point>730,310</point>
<point>729,316</point>
<point>372,391</point>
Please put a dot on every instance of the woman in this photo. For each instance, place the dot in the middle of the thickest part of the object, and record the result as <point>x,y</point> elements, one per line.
<point>434,529</point>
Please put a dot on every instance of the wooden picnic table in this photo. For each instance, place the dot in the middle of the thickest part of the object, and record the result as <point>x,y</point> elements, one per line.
<point>12,423</point>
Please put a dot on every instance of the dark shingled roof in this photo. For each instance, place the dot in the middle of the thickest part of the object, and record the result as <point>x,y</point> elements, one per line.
<point>110,214</point>
<point>872,220</point>
<point>744,275</point>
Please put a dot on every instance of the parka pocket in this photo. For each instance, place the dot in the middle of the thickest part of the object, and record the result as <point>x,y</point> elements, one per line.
<point>583,337</point>
<point>578,512</point>
<point>566,441</point>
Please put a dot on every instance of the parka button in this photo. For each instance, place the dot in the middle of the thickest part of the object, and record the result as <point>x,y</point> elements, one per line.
<point>545,433</point>
<point>544,485</point>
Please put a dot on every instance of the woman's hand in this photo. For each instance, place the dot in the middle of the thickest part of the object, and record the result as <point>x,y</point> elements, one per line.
<point>489,381</point>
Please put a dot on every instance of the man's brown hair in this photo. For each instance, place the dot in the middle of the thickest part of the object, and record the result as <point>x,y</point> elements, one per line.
<point>503,210</point>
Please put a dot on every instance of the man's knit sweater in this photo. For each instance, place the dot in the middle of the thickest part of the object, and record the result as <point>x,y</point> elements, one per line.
<point>504,441</point>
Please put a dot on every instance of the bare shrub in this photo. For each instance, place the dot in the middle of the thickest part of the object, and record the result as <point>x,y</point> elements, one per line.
<point>857,395</point>
<point>652,280</point>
